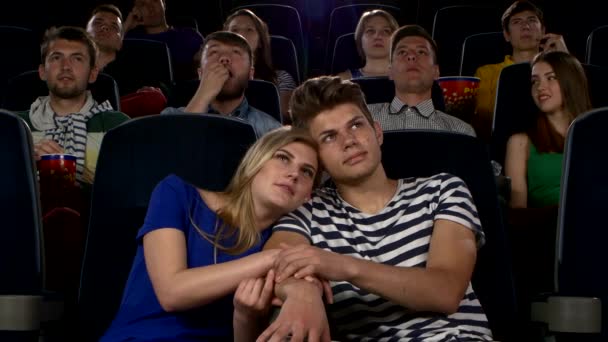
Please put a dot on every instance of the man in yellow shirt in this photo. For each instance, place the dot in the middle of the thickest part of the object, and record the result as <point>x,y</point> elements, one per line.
<point>523,27</point>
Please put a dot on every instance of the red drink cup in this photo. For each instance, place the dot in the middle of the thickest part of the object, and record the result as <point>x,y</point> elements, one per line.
<point>58,186</point>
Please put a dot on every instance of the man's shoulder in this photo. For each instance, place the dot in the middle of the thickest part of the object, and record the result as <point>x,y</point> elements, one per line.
<point>25,115</point>
<point>493,68</point>
<point>427,185</point>
<point>457,125</point>
<point>257,115</point>
<point>106,120</point>
<point>376,108</point>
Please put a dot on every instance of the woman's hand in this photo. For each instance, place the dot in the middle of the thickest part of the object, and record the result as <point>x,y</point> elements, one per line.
<point>253,296</point>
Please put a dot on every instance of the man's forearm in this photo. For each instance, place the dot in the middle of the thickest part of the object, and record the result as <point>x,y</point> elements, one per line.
<point>417,288</point>
<point>199,102</point>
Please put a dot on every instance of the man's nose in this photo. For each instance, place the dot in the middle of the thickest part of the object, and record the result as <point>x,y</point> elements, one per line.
<point>224,59</point>
<point>66,64</point>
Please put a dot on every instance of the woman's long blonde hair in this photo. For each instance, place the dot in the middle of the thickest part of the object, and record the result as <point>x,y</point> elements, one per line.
<point>238,213</point>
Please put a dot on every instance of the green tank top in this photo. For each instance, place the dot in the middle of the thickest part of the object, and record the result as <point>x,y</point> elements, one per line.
<point>544,178</point>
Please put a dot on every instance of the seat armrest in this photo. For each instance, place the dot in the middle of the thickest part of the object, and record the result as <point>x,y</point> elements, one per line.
<point>20,313</point>
<point>569,314</point>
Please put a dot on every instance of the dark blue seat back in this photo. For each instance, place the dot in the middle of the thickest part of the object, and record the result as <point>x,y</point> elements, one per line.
<point>584,197</point>
<point>515,110</point>
<point>452,24</point>
<point>141,62</point>
<point>202,149</point>
<point>22,53</point>
<point>467,158</point>
<point>480,49</point>
<point>597,46</point>
<point>284,56</point>
<point>21,228</point>
<point>345,55</point>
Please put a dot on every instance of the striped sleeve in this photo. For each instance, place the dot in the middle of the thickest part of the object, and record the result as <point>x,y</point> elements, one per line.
<point>456,205</point>
<point>298,221</point>
<point>285,81</point>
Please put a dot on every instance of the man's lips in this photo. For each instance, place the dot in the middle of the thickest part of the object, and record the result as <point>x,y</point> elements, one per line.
<point>355,158</point>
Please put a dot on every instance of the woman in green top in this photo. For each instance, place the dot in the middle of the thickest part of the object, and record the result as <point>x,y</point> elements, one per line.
<point>534,158</point>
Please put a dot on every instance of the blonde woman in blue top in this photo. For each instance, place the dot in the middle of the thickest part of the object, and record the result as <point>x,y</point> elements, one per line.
<point>196,246</point>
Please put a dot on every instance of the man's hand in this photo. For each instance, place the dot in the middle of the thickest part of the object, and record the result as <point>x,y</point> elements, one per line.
<point>134,19</point>
<point>305,260</point>
<point>553,42</point>
<point>46,146</point>
<point>213,77</point>
<point>302,315</point>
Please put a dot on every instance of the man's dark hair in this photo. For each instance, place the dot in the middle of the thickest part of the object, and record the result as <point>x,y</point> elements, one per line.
<point>412,31</point>
<point>70,33</point>
<point>518,7</point>
<point>109,8</point>
<point>324,93</point>
<point>229,38</point>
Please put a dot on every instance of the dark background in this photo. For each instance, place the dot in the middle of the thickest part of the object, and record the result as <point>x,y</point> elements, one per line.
<point>574,20</point>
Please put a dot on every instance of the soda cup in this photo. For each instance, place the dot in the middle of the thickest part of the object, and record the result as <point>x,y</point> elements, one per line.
<point>57,177</point>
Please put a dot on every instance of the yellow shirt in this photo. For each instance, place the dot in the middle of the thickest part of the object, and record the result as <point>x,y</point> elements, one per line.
<point>486,94</point>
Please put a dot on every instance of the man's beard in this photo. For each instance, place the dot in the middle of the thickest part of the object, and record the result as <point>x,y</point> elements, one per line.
<point>66,93</point>
<point>235,92</point>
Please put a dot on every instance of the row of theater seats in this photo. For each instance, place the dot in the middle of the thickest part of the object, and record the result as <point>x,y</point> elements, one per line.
<point>128,170</point>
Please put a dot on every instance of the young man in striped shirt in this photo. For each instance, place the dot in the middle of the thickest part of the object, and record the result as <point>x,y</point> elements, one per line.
<point>69,120</point>
<point>399,254</point>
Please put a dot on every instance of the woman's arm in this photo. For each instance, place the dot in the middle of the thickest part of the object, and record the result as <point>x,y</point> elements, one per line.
<point>178,287</point>
<point>516,168</point>
<point>252,301</point>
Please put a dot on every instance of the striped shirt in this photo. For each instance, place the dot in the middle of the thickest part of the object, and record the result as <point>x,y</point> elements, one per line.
<point>398,115</point>
<point>398,235</point>
<point>285,81</point>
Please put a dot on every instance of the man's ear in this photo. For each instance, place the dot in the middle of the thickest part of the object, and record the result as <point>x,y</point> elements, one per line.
<point>379,133</point>
<point>41,72</point>
<point>251,72</point>
<point>93,74</point>
<point>507,36</point>
<point>390,69</point>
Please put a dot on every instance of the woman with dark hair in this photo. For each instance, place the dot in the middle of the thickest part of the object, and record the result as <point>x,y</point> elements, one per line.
<point>372,37</point>
<point>255,30</point>
<point>534,158</point>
